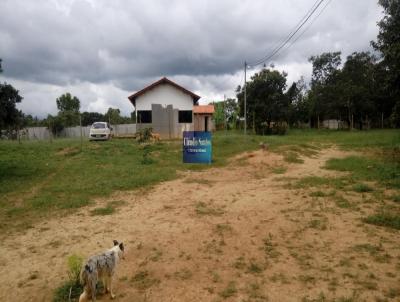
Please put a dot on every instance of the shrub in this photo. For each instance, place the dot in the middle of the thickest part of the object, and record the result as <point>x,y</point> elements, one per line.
<point>70,289</point>
<point>144,135</point>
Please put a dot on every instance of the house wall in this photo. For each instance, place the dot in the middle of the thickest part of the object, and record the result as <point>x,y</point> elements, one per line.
<point>165,122</point>
<point>165,95</point>
<point>199,122</point>
<point>165,101</point>
<point>330,124</point>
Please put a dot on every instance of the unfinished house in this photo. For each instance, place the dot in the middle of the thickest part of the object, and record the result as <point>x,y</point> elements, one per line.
<point>168,108</point>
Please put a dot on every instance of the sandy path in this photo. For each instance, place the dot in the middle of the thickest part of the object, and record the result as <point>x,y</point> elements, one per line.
<point>194,235</point>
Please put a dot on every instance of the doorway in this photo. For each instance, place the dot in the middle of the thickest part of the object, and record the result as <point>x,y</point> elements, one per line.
<point>206,123</point>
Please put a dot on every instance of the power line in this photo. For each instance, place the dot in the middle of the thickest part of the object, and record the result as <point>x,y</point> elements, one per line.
<point>294,28</point>
<point>291,35</point>
<point>310,24</point>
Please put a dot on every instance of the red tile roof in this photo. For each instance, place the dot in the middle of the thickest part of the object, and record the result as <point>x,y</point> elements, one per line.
<point>162,81</point>
<point>203,109</point>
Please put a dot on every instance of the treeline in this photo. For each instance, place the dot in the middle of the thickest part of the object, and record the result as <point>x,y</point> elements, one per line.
<point>69,115</point>
<point>363,92</point>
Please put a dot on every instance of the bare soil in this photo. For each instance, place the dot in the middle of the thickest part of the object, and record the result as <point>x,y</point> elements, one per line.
<point>236,233</point>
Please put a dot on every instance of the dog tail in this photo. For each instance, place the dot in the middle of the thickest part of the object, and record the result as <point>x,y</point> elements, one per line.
<point>84,276</point>
<point>88,280</point>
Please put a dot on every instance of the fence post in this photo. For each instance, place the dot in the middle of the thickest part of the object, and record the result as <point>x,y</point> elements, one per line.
<point>50,132</point>
<point>80,125</point>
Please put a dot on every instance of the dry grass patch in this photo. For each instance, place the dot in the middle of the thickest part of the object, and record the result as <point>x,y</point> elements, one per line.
<point>204,209</point>
<point>143,280</point>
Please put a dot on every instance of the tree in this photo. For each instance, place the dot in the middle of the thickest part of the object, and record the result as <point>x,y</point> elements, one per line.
<point>266,101</point>
<point>395,116</point>
<point>226,113</point>
<point>324,92</point>
<point>298,103</point>
<point>232,112</point>
<point>68,107</point>
<point>10,116</point>
<point>68,103</point>
<point>388,44</point>
<point>88,118</point>
<point>55,124</point>
<point>219,115</point>
<point>357,95</point>
<point>113,116</point>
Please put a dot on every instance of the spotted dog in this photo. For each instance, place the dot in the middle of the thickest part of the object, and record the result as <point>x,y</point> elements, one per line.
<point>100,267</point>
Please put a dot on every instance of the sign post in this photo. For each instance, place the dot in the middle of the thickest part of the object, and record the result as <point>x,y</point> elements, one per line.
<point>197,147</point>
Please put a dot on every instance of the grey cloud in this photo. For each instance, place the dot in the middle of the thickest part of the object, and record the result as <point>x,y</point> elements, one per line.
<point>128,44</point>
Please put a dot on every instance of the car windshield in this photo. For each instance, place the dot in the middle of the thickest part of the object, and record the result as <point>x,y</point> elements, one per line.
<point>98,125</point>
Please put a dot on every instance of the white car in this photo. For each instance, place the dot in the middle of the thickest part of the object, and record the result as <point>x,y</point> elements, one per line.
<point>100,131</point>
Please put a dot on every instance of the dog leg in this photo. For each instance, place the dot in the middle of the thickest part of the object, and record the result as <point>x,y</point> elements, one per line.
<point>111,287</point>
<point>105,284</point>
<point>83,297</point>
<point>94,282</point>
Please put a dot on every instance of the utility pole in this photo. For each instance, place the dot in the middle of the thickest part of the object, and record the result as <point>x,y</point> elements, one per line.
<point>80,127</point>
<point>225,124</point>
<point>245,99</point>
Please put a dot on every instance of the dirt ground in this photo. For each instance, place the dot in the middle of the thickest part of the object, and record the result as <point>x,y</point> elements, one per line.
<point>237,233</point>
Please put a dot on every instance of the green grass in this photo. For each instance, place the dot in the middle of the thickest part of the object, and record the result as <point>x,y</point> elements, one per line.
<point>279,170</point>
<point>318,194</point>
<point>362,188</point>
<point>389,220</point>
<point>367,247</point>
<point>108,210</point>
<point>62,293</point>
<point>292,157</point>
<point>316,181</point>
<point>342,202</point>
<point>396,198</point>
<point>42,178</point>
<point>380,169</point>
<point>39,178</point>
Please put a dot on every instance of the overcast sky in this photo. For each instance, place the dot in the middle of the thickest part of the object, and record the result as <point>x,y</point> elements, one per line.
<point>102,51</point>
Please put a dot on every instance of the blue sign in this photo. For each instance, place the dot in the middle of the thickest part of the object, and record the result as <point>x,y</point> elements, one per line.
<point>197,147</point>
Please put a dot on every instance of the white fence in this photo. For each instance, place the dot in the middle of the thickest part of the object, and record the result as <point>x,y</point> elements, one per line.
<point>42,133</point>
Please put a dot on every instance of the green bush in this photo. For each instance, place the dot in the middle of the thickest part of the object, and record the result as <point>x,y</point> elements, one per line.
<point>71,289</point>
